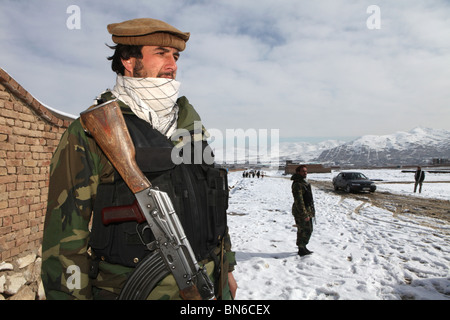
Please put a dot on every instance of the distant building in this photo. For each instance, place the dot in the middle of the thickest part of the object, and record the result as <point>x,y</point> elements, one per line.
<point>438,161</point>
<point>312,167</point>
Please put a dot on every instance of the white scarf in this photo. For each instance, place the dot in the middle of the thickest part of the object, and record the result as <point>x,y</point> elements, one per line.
<point>151,99</point>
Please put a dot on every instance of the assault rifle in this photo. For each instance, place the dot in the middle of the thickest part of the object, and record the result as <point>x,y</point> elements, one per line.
<point>105,123</point>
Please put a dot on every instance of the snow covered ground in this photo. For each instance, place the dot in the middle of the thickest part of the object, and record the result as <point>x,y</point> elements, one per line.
<point>361,252</point>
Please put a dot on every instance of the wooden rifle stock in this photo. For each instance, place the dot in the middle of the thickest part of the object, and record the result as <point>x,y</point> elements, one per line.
<point>105,123</point>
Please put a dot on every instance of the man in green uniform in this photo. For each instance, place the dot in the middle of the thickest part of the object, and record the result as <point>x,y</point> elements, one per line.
<point>82,257</point>
<point>302,208</point>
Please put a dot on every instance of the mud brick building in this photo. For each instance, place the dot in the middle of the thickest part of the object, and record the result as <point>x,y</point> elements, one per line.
<point>29,134</point>
<point>312,167</point>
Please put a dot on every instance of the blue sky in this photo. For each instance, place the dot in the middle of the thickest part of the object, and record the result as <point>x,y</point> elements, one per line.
<point>308,68</point>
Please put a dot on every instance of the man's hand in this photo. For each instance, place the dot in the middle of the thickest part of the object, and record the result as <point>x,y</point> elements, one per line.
<point>232,284</point>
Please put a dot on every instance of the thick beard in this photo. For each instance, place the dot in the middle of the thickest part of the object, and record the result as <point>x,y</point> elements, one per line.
<point>139,72</point>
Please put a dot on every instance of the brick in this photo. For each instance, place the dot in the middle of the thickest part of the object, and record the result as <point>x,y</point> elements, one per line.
<point>11,170</point>
<point>30,163</point>
<point>15,251</point>
<point>5,255</point>
<point>4,95</point>
<point>13,163</point>
<point>9,106</point>
<point>37,149</point>
<point>10,122</point>
<point>5,230</point>
<point>20,225</point>
<point>5,146</point>
<point>6,129</point>
<point>18,107</point>
<point>7,179</point>
<point>22,148</point>
<point>7,113</point>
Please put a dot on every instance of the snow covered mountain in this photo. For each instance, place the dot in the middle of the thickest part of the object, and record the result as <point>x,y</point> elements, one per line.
<point>305,151</point>
<point>416,147</point>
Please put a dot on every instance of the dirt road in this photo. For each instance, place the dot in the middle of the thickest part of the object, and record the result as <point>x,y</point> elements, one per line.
<point>396,203</point>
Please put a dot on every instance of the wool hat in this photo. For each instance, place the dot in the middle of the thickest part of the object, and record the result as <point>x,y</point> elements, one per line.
<point>148,32</point>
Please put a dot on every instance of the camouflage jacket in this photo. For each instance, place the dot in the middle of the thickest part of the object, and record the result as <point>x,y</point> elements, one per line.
<point>303,206</point>
<point>77,168</point>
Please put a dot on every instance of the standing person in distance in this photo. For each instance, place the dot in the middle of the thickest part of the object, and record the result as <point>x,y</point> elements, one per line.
<point>419,177</point>
<point>302,208</point>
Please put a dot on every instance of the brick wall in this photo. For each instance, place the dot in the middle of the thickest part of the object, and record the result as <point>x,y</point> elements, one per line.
<point>29,134</point>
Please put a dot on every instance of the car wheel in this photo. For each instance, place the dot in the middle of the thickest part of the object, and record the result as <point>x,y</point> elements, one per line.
<point>336,188</point>
<point>347,189</point>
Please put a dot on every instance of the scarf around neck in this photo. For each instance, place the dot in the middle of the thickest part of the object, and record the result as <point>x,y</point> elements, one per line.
<point>151,99</point>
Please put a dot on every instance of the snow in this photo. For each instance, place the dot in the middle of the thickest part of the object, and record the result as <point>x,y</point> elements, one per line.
<point>361,252</point>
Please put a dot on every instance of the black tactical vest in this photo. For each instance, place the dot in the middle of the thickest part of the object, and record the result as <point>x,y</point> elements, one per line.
<point>199,193</point>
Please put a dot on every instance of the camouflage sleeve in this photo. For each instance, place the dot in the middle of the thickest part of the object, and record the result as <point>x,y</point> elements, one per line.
<point>297,192</point>
<point>74,175</point>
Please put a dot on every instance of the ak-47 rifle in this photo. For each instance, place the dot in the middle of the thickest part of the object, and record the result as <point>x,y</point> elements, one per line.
<point>105,123</point>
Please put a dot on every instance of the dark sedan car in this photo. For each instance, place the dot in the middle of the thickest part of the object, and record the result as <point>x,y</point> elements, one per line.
<point>353,182</point>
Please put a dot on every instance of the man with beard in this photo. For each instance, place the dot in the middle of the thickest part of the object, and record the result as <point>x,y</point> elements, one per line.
<point>82,257</point>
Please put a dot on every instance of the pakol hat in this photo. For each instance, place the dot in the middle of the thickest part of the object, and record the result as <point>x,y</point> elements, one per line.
<point>148,32</point>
